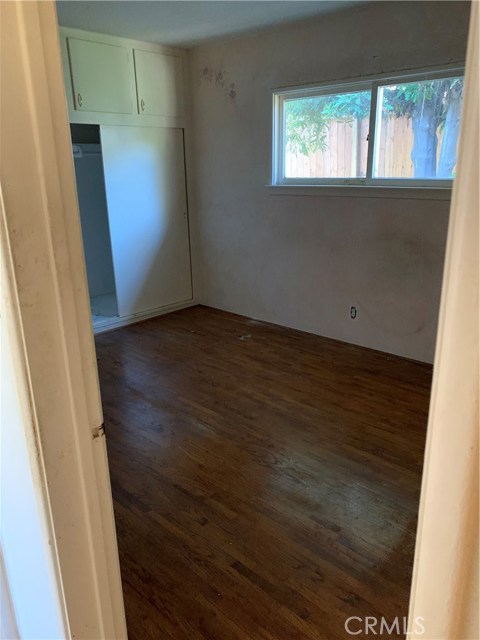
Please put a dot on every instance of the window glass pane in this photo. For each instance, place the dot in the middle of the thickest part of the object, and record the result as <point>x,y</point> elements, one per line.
<point>326,136</point>
<point>417,129</point>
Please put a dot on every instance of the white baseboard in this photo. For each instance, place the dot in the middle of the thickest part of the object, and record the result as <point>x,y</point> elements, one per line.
<point>115,323</point>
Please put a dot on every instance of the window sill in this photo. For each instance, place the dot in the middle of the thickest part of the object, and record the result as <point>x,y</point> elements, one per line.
<point>361,191</point>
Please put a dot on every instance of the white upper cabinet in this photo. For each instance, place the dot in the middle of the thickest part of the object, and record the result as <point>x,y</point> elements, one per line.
<point>102,76</point>
<point>159,84</point>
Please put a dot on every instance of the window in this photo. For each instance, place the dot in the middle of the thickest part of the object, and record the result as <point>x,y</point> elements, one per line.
<point>399,131</point>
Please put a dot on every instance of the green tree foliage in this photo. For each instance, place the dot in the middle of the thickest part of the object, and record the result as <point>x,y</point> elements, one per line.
<point>307,119</point>
<point>433,106</point>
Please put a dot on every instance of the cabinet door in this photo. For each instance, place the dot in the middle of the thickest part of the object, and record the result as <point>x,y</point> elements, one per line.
<point>147,209</point>
<point>102,76</point>
<point>159,84</point>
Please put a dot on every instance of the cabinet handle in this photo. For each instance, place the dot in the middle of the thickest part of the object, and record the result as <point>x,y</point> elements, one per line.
<point>79,99</point>
<point>142,104</point>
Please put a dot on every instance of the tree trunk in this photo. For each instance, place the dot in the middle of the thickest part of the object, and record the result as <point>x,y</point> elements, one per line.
<point>424,152</point>
<point>448,152</point>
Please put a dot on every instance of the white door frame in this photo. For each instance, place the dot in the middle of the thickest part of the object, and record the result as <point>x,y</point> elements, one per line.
<point>445,577</point>
<point>46,283</point>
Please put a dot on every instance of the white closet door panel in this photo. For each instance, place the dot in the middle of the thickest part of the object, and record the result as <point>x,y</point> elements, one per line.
<point>101,76</point>
<point>145,185</point>
<point>159,84</point>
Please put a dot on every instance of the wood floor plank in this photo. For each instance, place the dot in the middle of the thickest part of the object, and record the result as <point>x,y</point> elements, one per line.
<point>265,481</point>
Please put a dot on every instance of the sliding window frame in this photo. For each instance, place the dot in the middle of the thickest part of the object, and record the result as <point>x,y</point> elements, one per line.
<point>373,85</point>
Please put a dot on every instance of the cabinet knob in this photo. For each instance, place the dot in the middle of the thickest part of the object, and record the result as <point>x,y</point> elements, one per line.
<point>79,99</point>
<point>142,104</point>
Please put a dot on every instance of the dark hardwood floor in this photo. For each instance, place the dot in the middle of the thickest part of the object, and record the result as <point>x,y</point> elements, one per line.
<point>265,481</point>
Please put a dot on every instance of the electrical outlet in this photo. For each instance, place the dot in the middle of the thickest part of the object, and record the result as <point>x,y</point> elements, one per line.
<point>353,312</point>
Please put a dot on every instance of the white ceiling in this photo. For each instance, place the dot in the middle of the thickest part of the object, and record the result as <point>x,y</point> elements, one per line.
<point>186,23</point>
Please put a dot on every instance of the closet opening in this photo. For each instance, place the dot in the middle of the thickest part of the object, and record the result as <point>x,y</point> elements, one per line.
<point>88,161</point>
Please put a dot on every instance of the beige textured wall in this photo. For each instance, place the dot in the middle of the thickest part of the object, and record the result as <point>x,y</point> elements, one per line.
<point>301,261</point>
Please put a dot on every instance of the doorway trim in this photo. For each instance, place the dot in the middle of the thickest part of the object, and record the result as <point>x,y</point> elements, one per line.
<point>445,589</point>
<point>46,283</point>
